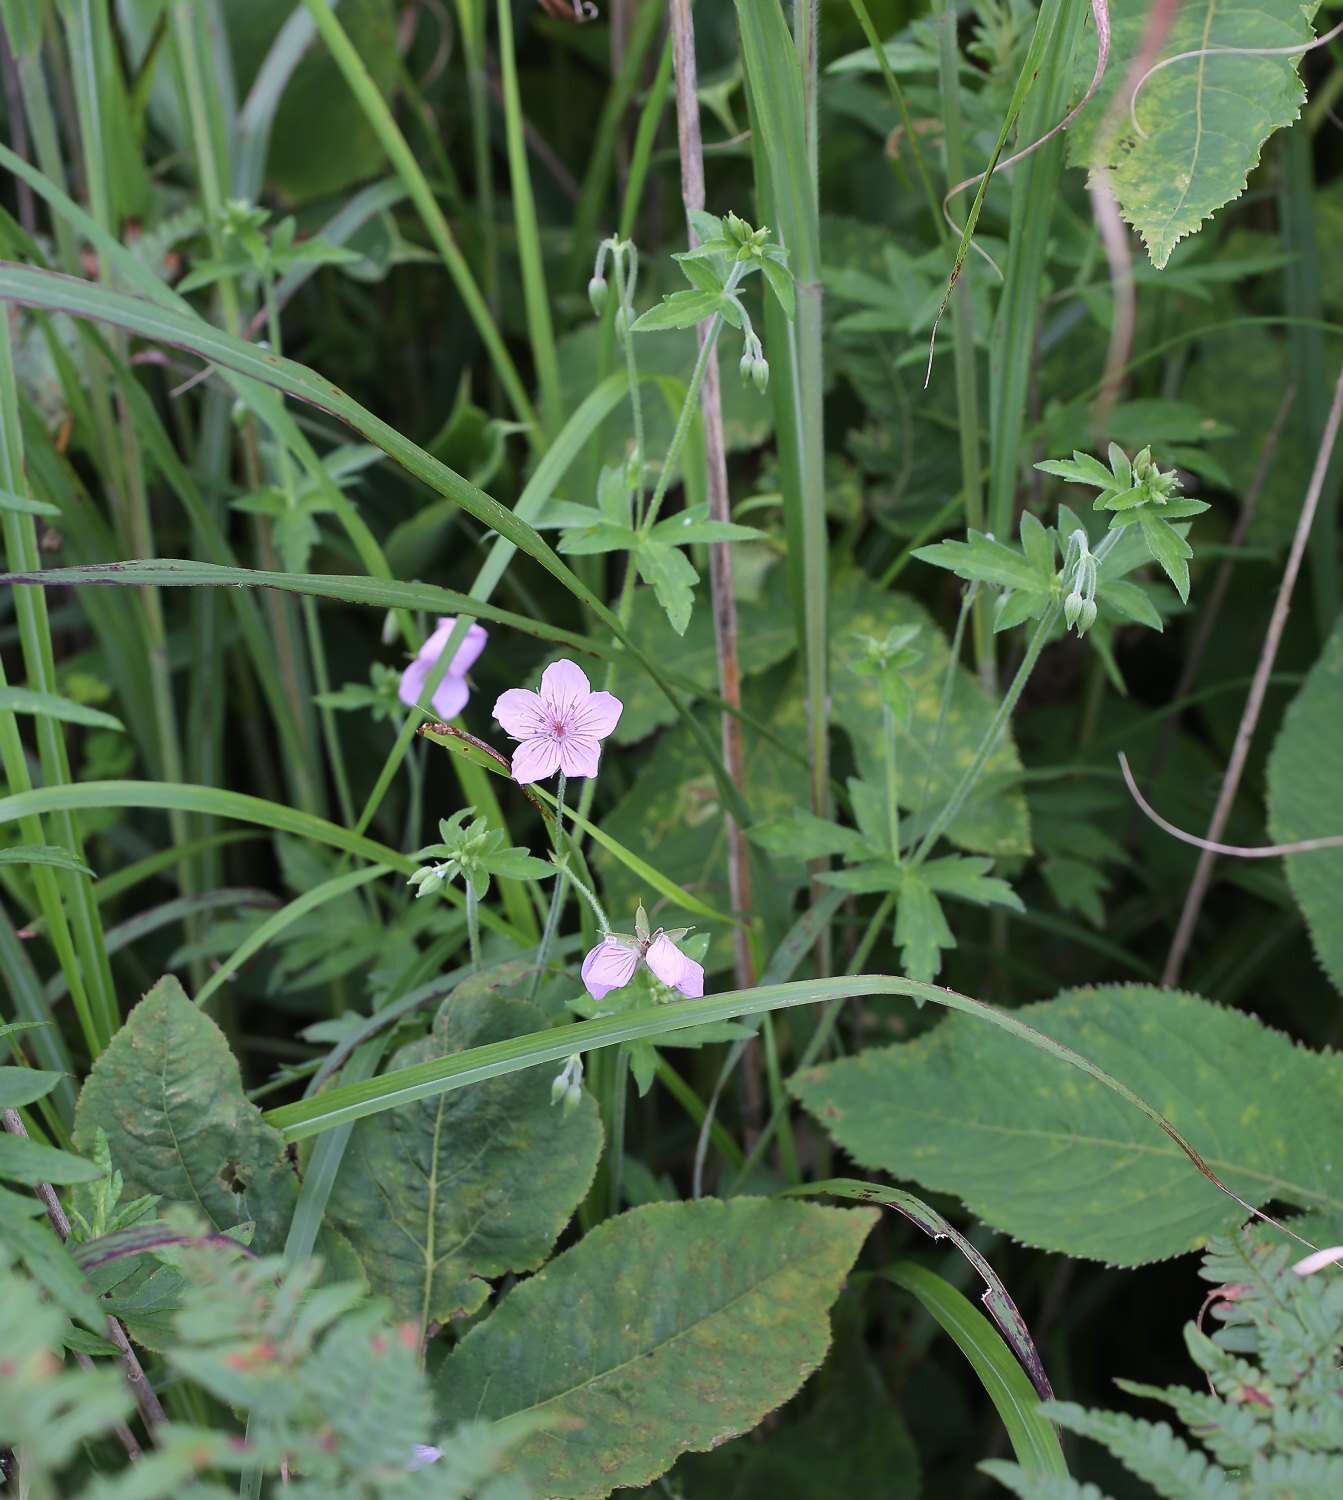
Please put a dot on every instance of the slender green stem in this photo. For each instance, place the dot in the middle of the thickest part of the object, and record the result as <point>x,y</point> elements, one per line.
<point>473,925</point>
<point>536,298</point>
<point>948,687</point>
<point>989,743</point>
<point>557,894</point>
<point>892,786</point>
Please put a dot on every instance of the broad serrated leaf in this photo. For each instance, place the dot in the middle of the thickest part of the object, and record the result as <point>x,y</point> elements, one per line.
<point>1059,1162</point>
<point>168,1093</point>
<point>1305,772</point>
<point>675,1326</point>
<point>1202,121</point>
<point>441,1194</point>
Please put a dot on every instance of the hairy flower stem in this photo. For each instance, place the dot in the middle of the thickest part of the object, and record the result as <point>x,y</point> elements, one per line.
<point>473,925</point>
<point>556,896</point>
<point>892,786</point>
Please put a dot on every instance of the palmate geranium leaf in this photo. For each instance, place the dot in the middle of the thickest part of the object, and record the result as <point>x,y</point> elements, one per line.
<point>1051,1161</point>
<point>1169,549</point>
<point>679,310</point>
<point>664,1331</point>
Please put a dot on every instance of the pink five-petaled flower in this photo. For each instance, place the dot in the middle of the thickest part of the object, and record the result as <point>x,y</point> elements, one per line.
<point>611,964</point>
<point>451,694</point>
<point>561,727</point>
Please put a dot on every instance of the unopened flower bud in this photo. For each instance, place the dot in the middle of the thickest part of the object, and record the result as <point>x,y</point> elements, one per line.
<point>622,323</point>
<point>1086,616</point>
<point>598,290</point>
<point>746,366</point>
<point>760,374</point>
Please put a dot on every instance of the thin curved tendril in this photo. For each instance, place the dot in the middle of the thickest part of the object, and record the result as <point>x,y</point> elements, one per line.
<point>1235,851</point>
<point>1100,10</point>
<point>1300,49</point>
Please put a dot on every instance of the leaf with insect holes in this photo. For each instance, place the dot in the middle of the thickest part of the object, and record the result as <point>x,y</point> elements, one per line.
<point>675,1327</point>
<point>446,1192</point>
<point>167,1091</point>
<point>1055,1160</point>
<point>1201,122</point>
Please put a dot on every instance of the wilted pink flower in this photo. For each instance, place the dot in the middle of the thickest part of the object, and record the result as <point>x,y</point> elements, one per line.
<point>560,727</point>
<point>611,964</point>
<point>451,694</point>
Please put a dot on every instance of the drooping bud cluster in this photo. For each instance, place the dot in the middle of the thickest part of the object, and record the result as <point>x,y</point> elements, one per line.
<point>625,266</point>
<point>1079,573</point>
<point>754,366</point>
<point>567,1089</point>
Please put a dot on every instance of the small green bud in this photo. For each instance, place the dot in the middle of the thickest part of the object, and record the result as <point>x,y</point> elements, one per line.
<point>746,366</point>
<point>598,292</point>
<point>622,323</point>
<point>760,374</point>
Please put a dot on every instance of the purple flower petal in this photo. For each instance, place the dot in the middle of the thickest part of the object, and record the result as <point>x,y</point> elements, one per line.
<point>534,760</point>
<point>672,967</point>
<point>564,685</point>
<point>598,715</point>
<point>579,755</point>
<point>450,696</point>
<point>412,681</point>
<point>522,714</point>
<point>609,966</point>
<point>467,654</point>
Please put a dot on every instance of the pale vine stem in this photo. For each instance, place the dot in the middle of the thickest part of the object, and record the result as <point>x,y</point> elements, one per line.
<point>1249,719</point>
<point>150,1408</point>
<point>720,553</point>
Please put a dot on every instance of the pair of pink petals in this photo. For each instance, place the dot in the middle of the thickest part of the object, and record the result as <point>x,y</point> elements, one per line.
<point>561,727</point>
<point>613,962</point>
<point>451,695</point>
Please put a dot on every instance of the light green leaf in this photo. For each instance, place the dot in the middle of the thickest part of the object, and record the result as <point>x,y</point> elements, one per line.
<point>781,284</point>
<point>168,1093</point>
<point>694,525</point>
<point>672,577</point>
<point>993,822</point>
<point>1202,121</point>
<point>1032,1435</point>
<point>25,506</point>
<point>20,1086</point>
<point>969,880</point>
<point>679,310</point>
<point>44,854</point>
<point>49,705</point>
<point>30,1162</point>
<point>678,1326</point>
<point>1049,1157</point>
<point>445,1193</point>
<point>983,559</point>
<point>802,835</point>
<point>1168,548</point>
<point>920,928</point>
<point>1305,772</point>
